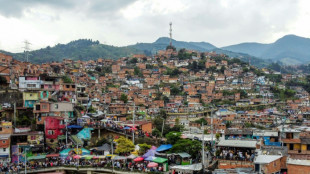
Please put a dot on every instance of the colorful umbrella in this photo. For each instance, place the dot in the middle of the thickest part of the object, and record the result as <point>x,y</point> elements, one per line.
<point>77,157</point>
<point>152,164</point>
<point>138,159</point>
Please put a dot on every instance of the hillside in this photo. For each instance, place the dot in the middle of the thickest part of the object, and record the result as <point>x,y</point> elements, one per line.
<point>83,49</point>
<point>289,49</point>
<point>162,42</point>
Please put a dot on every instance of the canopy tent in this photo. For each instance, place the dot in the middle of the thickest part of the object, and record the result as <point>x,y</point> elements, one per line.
<point>52,155</point>
<point>164,147</point>
<point>74,127</point>
<point>77,156</point>
<point>65,152</point>
<point>111,156</point>
<point>160,160</point>
<point>152,164</point>
<point>104,147</point>
<point>138,159</point>
<point>149,153</point>
<point>86,116</point>
<point>88,157</point>
<point>150,158</point>
<point>184,155</point>
<point>120,158</point>
<point>131,156</point>
<point>38,157</point>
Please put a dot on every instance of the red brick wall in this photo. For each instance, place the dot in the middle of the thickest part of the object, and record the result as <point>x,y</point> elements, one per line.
<point>291,169</point>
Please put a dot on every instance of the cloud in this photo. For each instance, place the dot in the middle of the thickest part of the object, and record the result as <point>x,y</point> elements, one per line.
<point>123,22</point>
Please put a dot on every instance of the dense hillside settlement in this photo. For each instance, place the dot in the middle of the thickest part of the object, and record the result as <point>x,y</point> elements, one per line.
<point>178,111</point>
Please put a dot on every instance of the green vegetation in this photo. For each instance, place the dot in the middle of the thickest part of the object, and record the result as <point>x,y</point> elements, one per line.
<point>201,120</point>
<point>82,49</point>
<point>138,72</point>
<point>173,137</point>
<point>283,94</point>
<point>66,79</point>
<point>143,148</point>
<point>173,72</point>
<point>124,98</point>
<point>185,145</point>
<point>124,145</point>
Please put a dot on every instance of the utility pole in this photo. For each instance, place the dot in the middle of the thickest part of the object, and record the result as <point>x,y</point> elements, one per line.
<point>133,122</point>
<point>211,129</point>
<point>203,149</point>
<point>14,114</point>
<point>27,43</point>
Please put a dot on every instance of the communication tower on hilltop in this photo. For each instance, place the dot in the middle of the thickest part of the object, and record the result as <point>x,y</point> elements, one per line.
<point>170,33</point>
<point>27,43</point>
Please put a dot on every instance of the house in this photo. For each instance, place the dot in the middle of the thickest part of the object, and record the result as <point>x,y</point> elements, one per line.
<point>5,148</point>
<point>53,128</point>
<point>29,82</point>
<point>5,59</point>
<point>268,164</point>
<point>30,98</point>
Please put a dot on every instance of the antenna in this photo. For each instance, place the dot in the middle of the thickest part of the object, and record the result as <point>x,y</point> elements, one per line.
<point>170,33</point>
<point>27,43</point>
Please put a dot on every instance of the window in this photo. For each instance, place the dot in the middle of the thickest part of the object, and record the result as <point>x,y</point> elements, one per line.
<point>31,85</point>
<point>308,146</point>
<point>67,86</point>
<point>291,146</point>
<point>275,163</point>
<point>56,106</point>
<point>44,106</point>
<point>50,132</point>
<point>0,128</point>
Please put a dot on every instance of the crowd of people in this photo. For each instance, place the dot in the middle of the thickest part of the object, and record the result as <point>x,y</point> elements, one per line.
<point>228,154</point>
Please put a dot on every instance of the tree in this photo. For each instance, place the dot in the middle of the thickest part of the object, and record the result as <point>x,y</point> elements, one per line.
<point>124,145</point>
<point>217,136</point>
<point>201,120</point>
<point>143,148</point>
<point>185,145</point>
<point>156,132</point>
<point>133,61</point>
<point>173,137</point>
<point>124,98</point>
<point>66,79</point>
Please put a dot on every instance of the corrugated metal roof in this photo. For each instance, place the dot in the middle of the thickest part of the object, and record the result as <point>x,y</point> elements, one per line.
<point>237,143</point>
<point>265,159</point>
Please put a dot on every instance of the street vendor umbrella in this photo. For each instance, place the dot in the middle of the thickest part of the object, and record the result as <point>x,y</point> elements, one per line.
<point>77,157</point>
<point>133,128</point>
<point>125,128</point>
<point>138,159</point>
<point>152,164</point>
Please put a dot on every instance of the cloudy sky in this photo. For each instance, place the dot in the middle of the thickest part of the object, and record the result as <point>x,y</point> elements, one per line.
<point>124,22</point>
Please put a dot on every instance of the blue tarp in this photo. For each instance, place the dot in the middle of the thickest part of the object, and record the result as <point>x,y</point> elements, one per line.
<point>164,147</point>
<point>75,127</point>
<point>85,134</point>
